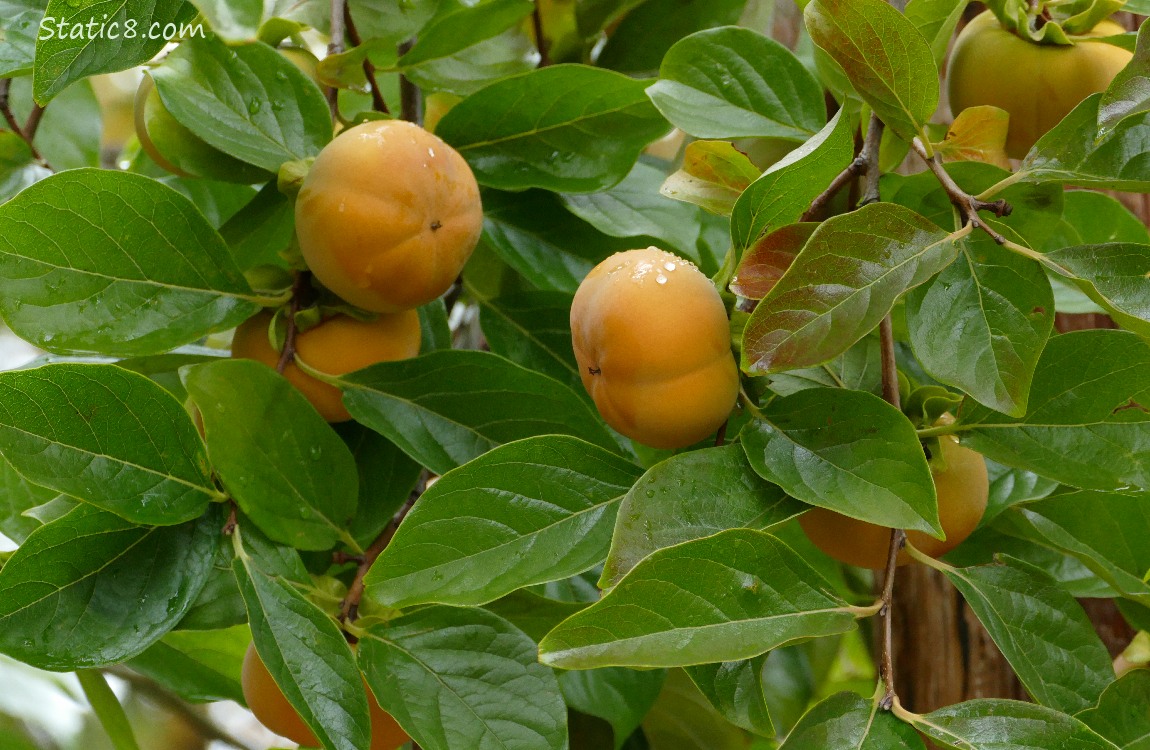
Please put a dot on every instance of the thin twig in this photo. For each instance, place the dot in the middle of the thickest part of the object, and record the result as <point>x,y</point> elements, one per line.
<point>300,294</point>
<point>540,41</point>
<point>721,435</point>
<point>409,95</point>
<point>167,700</point>
<point>870,152</point>
<point>866,163</point>
<point>32,124</point>
<point>897,536</point>
<point>377,101</point>
<point>230,524</point>
<point>967,204</point>
<point>335,47</point>
<point>349,607</point>
<point>14,126</point>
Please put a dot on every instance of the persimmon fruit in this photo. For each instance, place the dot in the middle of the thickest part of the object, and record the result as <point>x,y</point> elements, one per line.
<point>388,216</point>
<point>1038,84</point>
<point>963,487</point>
<point>653,346</point>
<point>271,707</point>
<point>337,345</point>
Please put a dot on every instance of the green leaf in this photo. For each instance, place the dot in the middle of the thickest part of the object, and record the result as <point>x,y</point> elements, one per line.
<point>17,168</point>
<point>1116,275</point>
<point>635,208</point>
<point>307,656</point>
<point>993,724</point>
<point>107,709</point>
<point>841,285</point>
<point>936,20</point>
<point>888,61</point>
<point>533,329</point>
<point>463,26</point>
<point>533,233</point>
<point>1120,715</point>
<point>737,690</point>
<point>848,451</point>
<point>533,613</point>
<point>647,32</point>
<point>532,130</point>
<point>261,230</point>
<point>18,42</point>
<point>244,20</point>
<point>463,679</point>
<point>847,721</point>
<point>1041,630</point>
<point>386,478</point>
<point>248,101</point>
<point>1129,93</point>
<point>70,130</point>
<point>107,436</point>
<point>446,408</point>
<point>115,263</point>
<point>1075,152</point>
<point>508,54</point>
<point>733,82</point>
<point>683,719</point>
<point>90,589</point>
<point>1107,532</point>
<point>688,496</point>
<point>128,34</point>
<point>981,324</point>
<point>528,512</point>
<point>277,457</point>
<point>1009,487</point>
<point>785,191</point>
<point>621,697</point>
<point>1088,424</point>
<point>387,19</point>
<point>726,597</point>
<point>17,497</point>
<point>858,368</point>
<point>198,666</point>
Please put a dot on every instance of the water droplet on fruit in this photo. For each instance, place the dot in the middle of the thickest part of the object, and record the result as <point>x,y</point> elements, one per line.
<point>661,279</point>
<point>669,266</point>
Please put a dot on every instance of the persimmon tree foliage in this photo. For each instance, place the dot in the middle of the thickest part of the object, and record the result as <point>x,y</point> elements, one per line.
<point>457,539</point>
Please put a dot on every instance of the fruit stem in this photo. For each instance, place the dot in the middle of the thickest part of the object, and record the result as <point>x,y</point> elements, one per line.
<point>27,132</point>
<point>300,290</point>
<point>967,204</point>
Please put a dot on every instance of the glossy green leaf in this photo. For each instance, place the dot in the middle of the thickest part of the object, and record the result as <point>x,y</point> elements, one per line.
<point>1116,275</point>
<point>992,724</point>
<point>307,656</point>
<point>1129,92</point>
<point>683,719</point>
<point>1107,532</point>
<point>63,593</point>
<point>847,721</point>
<point>277,457</point>
<point>888,61</point>
<point>464,679</point>
<point>621,697</point>
<point>848,451</point>
<point>733,82</point>
<point>509,54</point>
<point>17,497</point>
<point>387,19</point>
<point>446,408</point>
<point>840,286</point>
<point>107,436</point>
<point>688,496</point>
<point>111,262</point>
<point>68,47</point>
<point>198,666</point>
<point>1008,487</point>
<point>248,101</point>
<point>533,329</point>
<point>18,169</point>
<point>1121,714</point>
<point>981,324</point>
<point>386,478</point>
<point>646,33</point>
<point>858,368</point>
<point>261,230</point>
<point>18,42</point>
<point>532,130</point>
<point>726,597</point>
<point>533,233</point>
<point>528,512</point>
<point>785,191</point>
<point>1041,630</point>
<point>461,27</point>
<point>936,20</point>
<point>1087,424</point>
<point>534,613</point>
<point>737,690</point>
<point>635,208</point>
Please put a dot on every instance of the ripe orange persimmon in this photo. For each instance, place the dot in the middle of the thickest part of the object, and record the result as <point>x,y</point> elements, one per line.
<point>338,345</point>
<point>653,345</point>
<point>388,216</point>
<point>963,489</point>
<point>1038,84</point>
<point>267,702</point>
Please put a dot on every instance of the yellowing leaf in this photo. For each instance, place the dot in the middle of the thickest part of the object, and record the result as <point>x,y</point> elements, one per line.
<point>714,174</point>
<point>977,134</point>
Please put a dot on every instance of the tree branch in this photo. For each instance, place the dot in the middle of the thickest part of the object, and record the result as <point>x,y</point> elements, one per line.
<point>897,536</point>
<point>967,204</point>
<point>300,292</point>
<point>28,132</point>
<point>349,607</point>
<point>866,163</point>
<point>335,47</point>
<point>377,101</point>
<point>540,41</point>
<point>409,95</point>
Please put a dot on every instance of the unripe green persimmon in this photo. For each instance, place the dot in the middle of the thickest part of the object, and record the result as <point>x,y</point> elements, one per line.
<point>652,342</point>
<point>963,490</point>
<point>388,216</point>
<point>1038,84</point>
